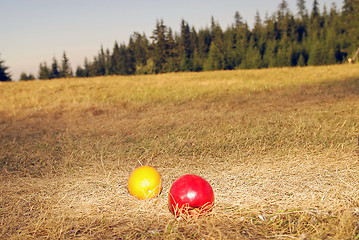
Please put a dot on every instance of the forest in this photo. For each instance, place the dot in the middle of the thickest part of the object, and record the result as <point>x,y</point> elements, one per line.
<point>318,36</point>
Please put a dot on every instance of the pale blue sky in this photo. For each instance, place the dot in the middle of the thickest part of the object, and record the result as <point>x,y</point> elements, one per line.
<point>34,31</point>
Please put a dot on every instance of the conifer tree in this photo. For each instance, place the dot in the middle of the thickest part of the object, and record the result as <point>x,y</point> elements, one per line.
<point>80,72</point>
<point>283,8</point>
<point>241,35</point>
<point>65,70</point>
<point>315,10</point>
<point>25,77</point>
<point>257,36</point>
<point>139,50</point>
<point>4,75</point>
<point>238,20</point>
<point>84,71</point>
<point>302,10</point>
<point>350,21</point>
<point>269,57</point>
<point>120,64</point>
<point>301,61</point>
<point>253,59</point>
<point>130,61</point>
<point>204,43</point>
<point>101,63</point>
<point>229,49</point>
<point>315,54</point>
<point>44,71</point>
<point>94,67</point>
<point>55,73</point>
<point>107,62</point>
<point>284,54</point>
<point>160,46</point>
<point>196,62</point>
<point>215,60</point>
<point>173,60</point>
<point>87,68</point>
<point>115,68</point>
<point>186,47</point>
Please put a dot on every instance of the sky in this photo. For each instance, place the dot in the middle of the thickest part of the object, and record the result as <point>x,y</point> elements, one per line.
<point>35,31</point>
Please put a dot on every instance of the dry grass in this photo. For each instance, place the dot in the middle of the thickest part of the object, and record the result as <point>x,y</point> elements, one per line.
<point>279,146</point>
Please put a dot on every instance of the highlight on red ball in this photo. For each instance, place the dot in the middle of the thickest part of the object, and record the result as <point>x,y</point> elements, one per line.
<point>190,195</point>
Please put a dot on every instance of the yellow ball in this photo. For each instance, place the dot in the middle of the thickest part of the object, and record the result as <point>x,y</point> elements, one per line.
<point>144,183</point>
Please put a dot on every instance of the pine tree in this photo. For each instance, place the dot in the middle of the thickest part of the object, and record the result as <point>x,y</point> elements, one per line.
<point>119,60</point>
<point>30,77</point>
<point>44,71</point>
<point>238,20</point>
<point>301,61</point>
<point>284,54</point>
<point>139,50</point>
<point>302,10</point>
<point>196,66</point>
<point>215,60</point>
<point>107,62</point>
<point>197,61</point>
<point>173,60</point>
<point>101,63</point>
<point>257,36</point>
<point>55,73</point>
<point>314,35</point>
<point>94,67</point>
<point>350,22</point>
<point>269,57</point>
<point>253,56</point>
<point>4,75</point>
<point>241,36</point>
<point>329,42</point>
<point>65,70</point>
<point>116,68</point>
<point>283,8</point>
<point>315,10</point>
<point>315,55</point>
<point>80,72</point>
<point>87,68</point>
<point>186,47</point>
<point>204,43</point>
<point>253,59</point>
<point>160,46</point>
<point>84,71</point>
<point>25,77</point>
<point>229,51</point>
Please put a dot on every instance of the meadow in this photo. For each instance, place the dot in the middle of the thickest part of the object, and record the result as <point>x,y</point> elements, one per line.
<point>279,147</point>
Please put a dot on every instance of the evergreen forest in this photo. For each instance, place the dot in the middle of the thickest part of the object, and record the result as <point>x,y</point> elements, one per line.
<point>318,36</point>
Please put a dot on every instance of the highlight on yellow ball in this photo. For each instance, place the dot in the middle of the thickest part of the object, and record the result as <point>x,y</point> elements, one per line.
<point>144,183</point>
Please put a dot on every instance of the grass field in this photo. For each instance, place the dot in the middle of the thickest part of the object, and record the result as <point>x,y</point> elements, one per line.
<point>279,146</point>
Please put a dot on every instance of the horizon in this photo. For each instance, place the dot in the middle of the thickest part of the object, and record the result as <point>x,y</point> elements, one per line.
<point>71,27</point>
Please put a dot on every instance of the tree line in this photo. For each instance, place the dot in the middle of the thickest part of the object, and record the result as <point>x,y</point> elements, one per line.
<point>308,37</point>
<point>315,37</point>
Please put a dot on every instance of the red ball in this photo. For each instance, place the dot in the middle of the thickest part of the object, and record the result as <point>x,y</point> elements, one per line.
<point>190,195</point>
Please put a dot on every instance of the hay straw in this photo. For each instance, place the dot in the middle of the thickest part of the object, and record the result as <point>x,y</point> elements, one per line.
<point>281,155</point>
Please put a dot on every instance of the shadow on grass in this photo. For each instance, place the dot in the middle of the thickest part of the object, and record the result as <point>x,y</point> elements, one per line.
<point>37,143</point>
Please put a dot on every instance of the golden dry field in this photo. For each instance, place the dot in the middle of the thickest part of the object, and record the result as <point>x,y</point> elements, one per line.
<point>279,147</point>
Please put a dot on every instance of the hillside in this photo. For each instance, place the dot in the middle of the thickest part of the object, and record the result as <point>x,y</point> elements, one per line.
<point>279,146</point>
